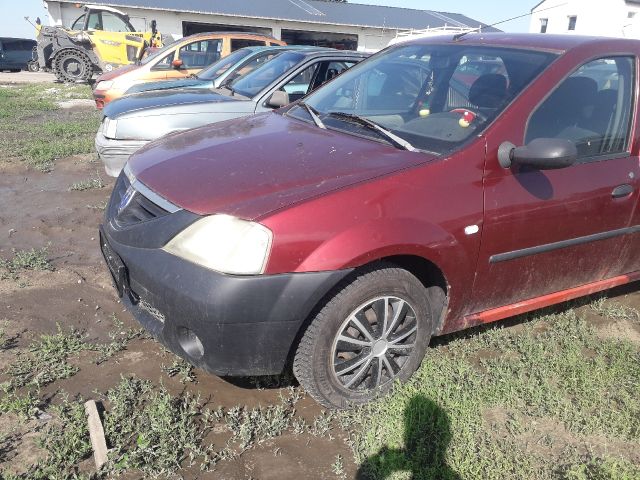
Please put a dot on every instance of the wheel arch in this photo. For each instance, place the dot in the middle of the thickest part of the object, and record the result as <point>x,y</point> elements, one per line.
<point>430,275</point>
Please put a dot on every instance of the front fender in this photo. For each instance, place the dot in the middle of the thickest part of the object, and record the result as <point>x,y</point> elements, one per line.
<point>383,238</point>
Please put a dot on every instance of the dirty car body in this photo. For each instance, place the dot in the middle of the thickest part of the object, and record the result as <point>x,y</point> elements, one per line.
<point>396,203</point>
<point>131,122</point>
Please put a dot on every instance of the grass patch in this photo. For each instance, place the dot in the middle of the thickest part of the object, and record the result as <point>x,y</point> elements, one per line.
<point>26,260</point>
<point>183,370</point>
<point>65,439</point>
<point>616,311</point>
<point>25,406</point>
<point>46,360</point>
<point>442,424</point>
<point>151,431</point>
<point>29,133</point>
<point>93,183</point>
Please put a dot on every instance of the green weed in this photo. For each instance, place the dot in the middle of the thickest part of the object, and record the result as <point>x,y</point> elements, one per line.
<point>152,431</point>
<point>25,406</point>
<point>616,311</point>
<point>46,360</point>
<point>182,369</point>
<point>26,260</point>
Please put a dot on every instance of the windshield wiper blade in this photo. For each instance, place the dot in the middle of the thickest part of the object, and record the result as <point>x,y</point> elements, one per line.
<point>393,138</point>
<point>313,114</point>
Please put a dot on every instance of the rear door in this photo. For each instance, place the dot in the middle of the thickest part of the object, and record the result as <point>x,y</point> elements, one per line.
<point>546,231</point>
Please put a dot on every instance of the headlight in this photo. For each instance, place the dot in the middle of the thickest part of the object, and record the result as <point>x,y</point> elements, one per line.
<point>104,85</point>
<point>109,127</point>
<point>225,244</point>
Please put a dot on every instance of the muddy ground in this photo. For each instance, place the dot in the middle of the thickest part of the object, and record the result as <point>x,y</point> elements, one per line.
<point>38,210</point>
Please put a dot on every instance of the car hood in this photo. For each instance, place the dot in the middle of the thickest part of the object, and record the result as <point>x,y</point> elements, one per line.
<point>252,166</point>
<point>169,84</point>
<point>164,98</point>
<point>116,73</point>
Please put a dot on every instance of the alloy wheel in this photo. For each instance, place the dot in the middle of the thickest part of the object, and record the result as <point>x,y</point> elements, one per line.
<point>374,343</point>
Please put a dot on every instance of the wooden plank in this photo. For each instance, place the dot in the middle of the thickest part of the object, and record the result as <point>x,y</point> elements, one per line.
<point>96,433</point>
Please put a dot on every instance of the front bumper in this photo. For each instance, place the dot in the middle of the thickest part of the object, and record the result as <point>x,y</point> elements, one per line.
<point>225,324</point>
<point>115,153</point>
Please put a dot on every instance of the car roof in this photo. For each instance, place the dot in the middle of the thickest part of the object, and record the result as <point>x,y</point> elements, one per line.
<point>535,41</point>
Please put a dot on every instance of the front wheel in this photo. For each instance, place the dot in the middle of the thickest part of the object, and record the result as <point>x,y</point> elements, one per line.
<point>72,66</point>
<point>375,330</point>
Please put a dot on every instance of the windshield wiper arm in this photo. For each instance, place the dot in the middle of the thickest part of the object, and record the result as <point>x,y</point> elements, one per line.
<point>313,114</point>
<point>392,137</point>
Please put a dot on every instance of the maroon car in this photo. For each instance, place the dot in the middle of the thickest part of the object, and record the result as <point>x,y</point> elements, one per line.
<point>339,234</point>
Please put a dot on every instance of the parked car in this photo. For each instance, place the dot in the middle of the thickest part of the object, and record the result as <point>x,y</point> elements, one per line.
<point>132,121</point>
<point>225,70</point>
<point>343,232</point>
<point>178,60</point>
<point>15,53</point>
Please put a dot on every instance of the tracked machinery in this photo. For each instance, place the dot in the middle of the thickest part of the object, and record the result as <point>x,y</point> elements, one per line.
<point>100,40</point>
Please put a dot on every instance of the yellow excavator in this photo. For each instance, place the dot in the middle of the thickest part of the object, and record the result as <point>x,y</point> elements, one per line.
<point>100,40</point>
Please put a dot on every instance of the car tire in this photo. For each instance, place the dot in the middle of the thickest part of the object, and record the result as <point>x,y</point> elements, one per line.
<point>33,67</point>
<point>324,361</point>
<point>72,66</point>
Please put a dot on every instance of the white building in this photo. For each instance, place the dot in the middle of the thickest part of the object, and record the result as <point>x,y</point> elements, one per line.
<point>609,18</point>
<point>310,22</point>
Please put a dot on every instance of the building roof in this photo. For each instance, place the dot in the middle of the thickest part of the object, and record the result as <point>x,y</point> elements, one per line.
<point>314,11</point>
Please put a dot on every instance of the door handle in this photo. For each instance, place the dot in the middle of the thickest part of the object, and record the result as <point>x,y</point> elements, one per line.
<point>622,191</point>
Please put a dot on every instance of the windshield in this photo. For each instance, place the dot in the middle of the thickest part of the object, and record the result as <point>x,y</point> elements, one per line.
<point>158,53</point>
<point>253,83</point>
<point>218,68</point>
<point>433,96</point>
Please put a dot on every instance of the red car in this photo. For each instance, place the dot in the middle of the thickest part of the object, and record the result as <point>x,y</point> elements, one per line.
<point>340,234</point>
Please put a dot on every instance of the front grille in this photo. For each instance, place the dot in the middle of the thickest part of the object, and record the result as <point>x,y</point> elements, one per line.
<point>129,207</point>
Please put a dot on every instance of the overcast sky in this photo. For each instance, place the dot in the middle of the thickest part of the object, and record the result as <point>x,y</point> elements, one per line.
<point>12,23</point>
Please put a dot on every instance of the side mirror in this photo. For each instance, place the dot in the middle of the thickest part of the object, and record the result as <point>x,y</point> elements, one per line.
<point>541,154</point>
<point>177,63</point>
<point>278,99</point>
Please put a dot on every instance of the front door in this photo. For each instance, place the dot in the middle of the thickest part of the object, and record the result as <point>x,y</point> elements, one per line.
<point>550,230</point>
<point>195,56</point>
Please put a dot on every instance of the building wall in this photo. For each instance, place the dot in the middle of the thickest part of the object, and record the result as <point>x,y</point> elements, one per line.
<point>610,18</point>
<point>369,39</point>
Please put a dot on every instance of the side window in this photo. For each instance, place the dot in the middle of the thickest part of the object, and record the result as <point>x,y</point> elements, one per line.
<point>200,54</point>
<point>95,23</point>
<point>113,23</point>
<point>299,85</point>
<point>336,68</point>
<point>238,43</point>
<point>252,64</point>
<point>592,108</point>
<point>78,24</point>
<point>165,62</point>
